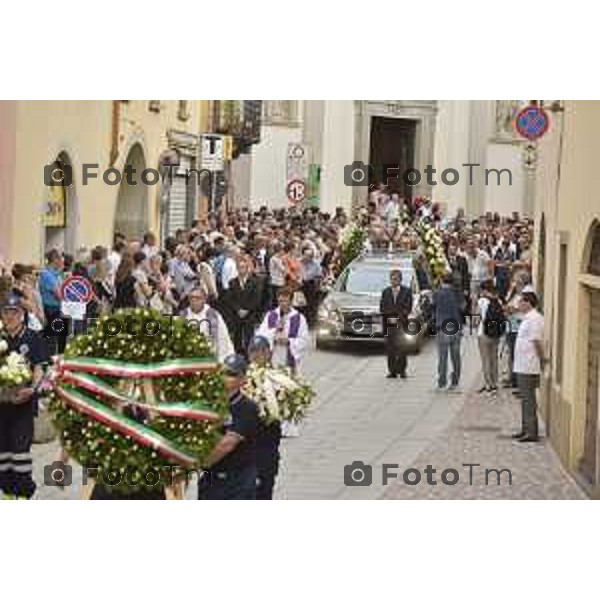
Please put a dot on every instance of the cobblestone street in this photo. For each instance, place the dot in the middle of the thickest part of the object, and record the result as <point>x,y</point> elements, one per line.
<point>359,415</point>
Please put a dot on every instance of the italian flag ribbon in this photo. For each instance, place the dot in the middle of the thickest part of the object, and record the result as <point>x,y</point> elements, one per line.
<point>184,410</point>
<point>76,382</point>
<point>115,368</point>
<point>126,426</point>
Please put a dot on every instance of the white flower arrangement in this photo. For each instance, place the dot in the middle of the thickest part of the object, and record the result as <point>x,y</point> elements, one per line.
<point>434,250</point>
<point>278,395</point>
<point>14,368</point>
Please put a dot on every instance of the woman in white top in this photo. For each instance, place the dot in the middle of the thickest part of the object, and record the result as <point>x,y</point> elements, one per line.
<point>488,345</point>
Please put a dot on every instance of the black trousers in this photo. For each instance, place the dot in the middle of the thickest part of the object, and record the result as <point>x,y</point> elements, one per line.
<point>311,293</point>
<point>238,484</point>
<point>243,331</point>
<point>267,461</point>
<point>16,436</point>
<point>512,340</point>
<point>56,331</point>
<point>396,354</point>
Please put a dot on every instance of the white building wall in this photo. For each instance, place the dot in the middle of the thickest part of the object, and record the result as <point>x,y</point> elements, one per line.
<point>241,180</point>
<point>337,151</point>
<point>504,198</point>
<point>451,152</point>
<point>269,166</point>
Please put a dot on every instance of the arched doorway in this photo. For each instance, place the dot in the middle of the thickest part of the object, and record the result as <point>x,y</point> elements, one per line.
<point>589,462</point>
<point>131,217</point>
<point>61,217</point>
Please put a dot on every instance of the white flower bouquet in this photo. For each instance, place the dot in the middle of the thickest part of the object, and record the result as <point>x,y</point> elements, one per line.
<point>14,371</point>
<point>434,249</point>
<point>279,396</point>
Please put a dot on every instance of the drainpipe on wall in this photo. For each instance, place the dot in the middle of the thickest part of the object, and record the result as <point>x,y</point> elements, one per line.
<point>114,146</point>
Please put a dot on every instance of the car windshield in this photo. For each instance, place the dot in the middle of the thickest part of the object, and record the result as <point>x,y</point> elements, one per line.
<point>370,280</point>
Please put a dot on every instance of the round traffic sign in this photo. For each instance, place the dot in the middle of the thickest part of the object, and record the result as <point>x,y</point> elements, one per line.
<point>297,152</point>
<point>296,191</point>
<point>532,122</point>
<point>76,289</point>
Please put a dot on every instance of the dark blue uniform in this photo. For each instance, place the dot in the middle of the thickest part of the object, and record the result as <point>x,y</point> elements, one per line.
<point>16,423</point>
<point>267,459</point>
<point>234,477</point>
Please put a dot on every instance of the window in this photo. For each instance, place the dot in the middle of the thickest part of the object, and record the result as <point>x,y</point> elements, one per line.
<point>370,281</point>
<point>184,110</point>
<point>154,106</point>
<point>593,267</point>
<point>281,112</point>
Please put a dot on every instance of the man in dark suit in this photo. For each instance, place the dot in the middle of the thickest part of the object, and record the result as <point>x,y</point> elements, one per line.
<point>395,307</point>
<point>243,300</point>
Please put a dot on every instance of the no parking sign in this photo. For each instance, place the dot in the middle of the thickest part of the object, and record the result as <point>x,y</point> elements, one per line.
<point>76,292</point>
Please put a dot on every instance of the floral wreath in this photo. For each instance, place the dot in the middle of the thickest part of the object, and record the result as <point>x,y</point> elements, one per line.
<point>131,404</point>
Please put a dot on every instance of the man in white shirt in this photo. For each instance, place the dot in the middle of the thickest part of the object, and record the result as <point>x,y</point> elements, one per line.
<point>528,365</point>
<point>479,264</point>
<point>209,322</point>
<point>229,271</point>
<point>114,258</point>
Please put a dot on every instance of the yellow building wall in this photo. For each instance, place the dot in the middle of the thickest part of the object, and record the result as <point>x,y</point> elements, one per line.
<point>44,129</point>
<point>570,215</point>
<point>84,131</point>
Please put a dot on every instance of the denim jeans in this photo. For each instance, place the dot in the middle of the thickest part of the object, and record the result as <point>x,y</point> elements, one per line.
<point>448,344</point>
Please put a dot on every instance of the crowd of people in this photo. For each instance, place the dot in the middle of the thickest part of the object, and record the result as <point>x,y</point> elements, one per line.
<point>255,280</point>
<point>486,290</point>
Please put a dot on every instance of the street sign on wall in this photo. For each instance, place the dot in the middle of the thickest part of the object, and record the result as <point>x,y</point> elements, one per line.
<point>297,172</point>
<point>296,191</point>
<point>296,161</point>
<point>213,152</point>
<point>532,122</point>
<point>75,293</point>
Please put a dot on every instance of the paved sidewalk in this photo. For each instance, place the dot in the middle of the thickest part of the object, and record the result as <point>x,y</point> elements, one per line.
<point>480,433</point>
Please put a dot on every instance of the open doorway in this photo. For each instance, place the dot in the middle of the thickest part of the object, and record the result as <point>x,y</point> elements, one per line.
<point>393,143</point>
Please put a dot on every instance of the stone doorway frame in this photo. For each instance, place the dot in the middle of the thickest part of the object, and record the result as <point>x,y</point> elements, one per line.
<point>424,112</point>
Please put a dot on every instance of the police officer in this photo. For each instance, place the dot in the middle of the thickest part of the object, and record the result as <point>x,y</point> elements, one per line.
<point>230,470</point>
<point>269,435</point>
<point>16,415</point>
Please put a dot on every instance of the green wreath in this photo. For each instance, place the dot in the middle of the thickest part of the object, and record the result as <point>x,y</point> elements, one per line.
<point>129,400</point>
